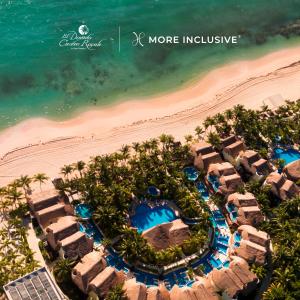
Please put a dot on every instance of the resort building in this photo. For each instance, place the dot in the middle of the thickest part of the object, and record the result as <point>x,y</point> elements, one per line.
<point>50,215</point>
<point>36,285</point>
<point>254,164</point>
<point>48,206</point>
<point>75,245</point>
<point>106,279</point>
<point>168,234</point>
<point>186,293</point>
<point>224,178</point>
<point>292,170</point>
<point>254,245</point>
<point>64,227</point>
<point>204,155</point>
<point>282,187</point>
<point>203,292</point>
<point>233,281</point>
<point>243,209</point>
<point>158,293</point>
<point>230,183</point>
<point>231,148</point>
<point>87,269</point>
<point>250,215</point>
<point>135,290</point>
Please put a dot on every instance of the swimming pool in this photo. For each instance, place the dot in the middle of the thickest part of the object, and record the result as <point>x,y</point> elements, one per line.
<point>215,262</point>
<point>202,190</point>
<point>91,230</point>
<point>84,211</point>
<point>232,211</point>
<point>288,155</point>
<point>153,191</point>
<point>214,182</point>
<point>146,217</point>
<point>191,173</point>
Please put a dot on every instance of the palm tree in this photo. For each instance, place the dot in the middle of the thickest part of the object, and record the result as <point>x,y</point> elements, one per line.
<point>116,293</point>
<point>199,131</point>
<point>14,195</point>
<point>62,270</point>
<point>25,181</point>
<point>79,166</point>
<point>188,138</point>
<point>66,170</point>
<point>214,139</point>
<point>41,178</point>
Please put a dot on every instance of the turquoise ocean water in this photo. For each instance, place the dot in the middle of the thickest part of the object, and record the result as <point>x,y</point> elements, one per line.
<point>40,78</point>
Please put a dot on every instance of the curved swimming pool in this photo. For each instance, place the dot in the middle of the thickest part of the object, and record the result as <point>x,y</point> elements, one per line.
<point>146,217</point>
<point>288,155</point>
<point>191,173</point>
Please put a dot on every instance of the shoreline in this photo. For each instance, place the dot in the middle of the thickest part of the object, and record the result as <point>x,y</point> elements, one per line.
<point>268,79</point>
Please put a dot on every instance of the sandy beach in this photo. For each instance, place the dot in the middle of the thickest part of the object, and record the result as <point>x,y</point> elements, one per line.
<point>41,145</point>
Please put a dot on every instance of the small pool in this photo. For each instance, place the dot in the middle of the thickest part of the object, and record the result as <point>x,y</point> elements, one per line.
<point>232,211</point>
<point>146,217</point>
<point>203,190</point>
<point>288,155</point>
<point>237,239</point>
<point>191,173</point>
<point>214,182</point>
<point>91,230</point>
<point>153,191</point>
<point>215,262</point>
<point>222,248</point>
<point>226,264</point>
<point>84,211</point>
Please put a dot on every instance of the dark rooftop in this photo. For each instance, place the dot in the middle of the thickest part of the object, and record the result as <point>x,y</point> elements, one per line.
<point>36,285</point>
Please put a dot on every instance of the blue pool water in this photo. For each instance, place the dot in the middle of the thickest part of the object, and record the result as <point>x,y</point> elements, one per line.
<point>232,211</point>
<point>153,191</point>
<point>237,237</point>
<point>226,264</point>
<point>91,230</point>
<point>146,217</point>
<point>288,155</point>
<point>191,173</point>
<point>84,211</point>
<point>221,248</point>
<point>214,182</point>
<point>215,262</point>
<point>202,189</point>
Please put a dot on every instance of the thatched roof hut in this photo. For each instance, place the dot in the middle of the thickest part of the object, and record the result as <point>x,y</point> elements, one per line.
<point>250,233</point>
<point>64,227</point>
<point>292,170</point>
<point>77,244</point>
<point>167,234</point>
<point>105,280</point>
<point>158,293</point>
<point>135,290</point>
<point>87,269</point>
<point>242,200</point>
<point>251,252</point>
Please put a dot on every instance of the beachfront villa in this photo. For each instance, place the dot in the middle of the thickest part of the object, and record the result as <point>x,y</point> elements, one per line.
<point>224,178</point>
<point>281,187</point>
<point>254,245</point>
<point>292,170</point>
<point>244,209</point>
<point>254,164</point>
<point>204,155</point>
<point>231,148</point>
<point>87,269</point>
<point>168,234</point>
